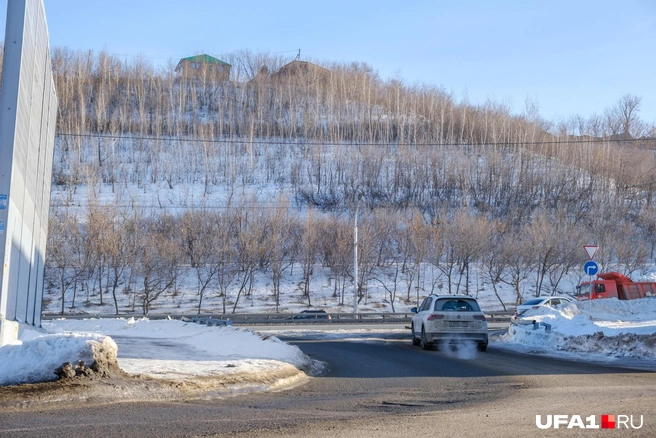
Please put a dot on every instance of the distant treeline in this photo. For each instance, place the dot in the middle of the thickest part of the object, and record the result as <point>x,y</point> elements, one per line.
<point>99,92</point>
<point>103,93</point>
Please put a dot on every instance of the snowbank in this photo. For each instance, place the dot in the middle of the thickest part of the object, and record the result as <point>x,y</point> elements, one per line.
<point>35,360</point>
<point>608,328</point>
<point>164,349</point>
<point>194,342</point>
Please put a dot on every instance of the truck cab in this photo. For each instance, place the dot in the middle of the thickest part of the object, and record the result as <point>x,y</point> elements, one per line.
<point>592,290</point>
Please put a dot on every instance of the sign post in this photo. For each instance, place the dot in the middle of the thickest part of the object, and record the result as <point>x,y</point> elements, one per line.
<point>591,267</point>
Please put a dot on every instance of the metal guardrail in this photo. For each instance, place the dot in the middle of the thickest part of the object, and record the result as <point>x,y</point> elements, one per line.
<point>280,318</point>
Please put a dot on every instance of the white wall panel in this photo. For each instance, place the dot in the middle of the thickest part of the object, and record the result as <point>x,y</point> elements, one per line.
<point>28,114</point>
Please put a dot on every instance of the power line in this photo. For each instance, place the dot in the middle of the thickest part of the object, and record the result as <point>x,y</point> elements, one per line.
<point>172,207</point>
<point>293,142</point>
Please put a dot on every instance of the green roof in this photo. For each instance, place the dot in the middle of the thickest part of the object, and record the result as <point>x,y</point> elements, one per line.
<point>206,59</point>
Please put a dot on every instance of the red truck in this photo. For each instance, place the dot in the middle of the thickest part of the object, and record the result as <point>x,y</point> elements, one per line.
<point>615,285</point>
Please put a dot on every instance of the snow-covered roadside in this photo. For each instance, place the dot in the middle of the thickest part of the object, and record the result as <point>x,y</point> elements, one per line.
<point>608,330</point>
<point>165,349</point>
<point>602,331</point>
<point>194,341</point>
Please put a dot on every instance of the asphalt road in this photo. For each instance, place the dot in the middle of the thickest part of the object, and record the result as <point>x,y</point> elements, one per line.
<point>383,389</point>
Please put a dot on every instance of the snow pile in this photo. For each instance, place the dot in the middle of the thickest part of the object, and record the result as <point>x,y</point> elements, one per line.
<point>166,349</point>
<point>608,328</point>
<point>194,341</point>
<point>35,360</point>
<point>162,349</point>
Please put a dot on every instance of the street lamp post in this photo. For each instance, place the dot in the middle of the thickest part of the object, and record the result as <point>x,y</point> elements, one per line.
<point>355,258</point>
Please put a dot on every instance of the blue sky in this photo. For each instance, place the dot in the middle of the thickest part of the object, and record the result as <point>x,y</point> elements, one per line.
<point>571,57</point>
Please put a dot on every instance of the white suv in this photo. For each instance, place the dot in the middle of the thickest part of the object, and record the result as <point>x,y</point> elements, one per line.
<point>449,318</point>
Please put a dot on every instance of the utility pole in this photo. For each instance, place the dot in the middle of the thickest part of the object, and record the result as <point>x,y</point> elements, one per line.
<point>355,258</point>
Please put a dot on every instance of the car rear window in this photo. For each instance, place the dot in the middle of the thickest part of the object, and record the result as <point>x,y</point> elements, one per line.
<point>534,302</point>
<point>457,305</point>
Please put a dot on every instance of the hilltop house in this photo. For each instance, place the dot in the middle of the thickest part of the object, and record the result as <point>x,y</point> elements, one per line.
<point>300,69</point>
<point>204,66</point>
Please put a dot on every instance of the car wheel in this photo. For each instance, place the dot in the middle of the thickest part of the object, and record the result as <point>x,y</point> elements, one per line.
<point>424,341</point>
<point>415,340</point>
<point>482,347</point>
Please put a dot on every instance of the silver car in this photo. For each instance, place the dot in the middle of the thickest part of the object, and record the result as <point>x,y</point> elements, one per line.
<point>449,319</point>
<point>523,310</point>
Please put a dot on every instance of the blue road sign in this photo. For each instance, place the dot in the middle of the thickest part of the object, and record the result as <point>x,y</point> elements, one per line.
<point>591,268</point>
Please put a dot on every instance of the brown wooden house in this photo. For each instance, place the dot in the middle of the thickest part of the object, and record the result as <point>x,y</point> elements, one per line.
<point>301,69</point>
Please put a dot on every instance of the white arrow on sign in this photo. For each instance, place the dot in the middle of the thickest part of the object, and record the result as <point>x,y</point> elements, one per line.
<point>591,250</point>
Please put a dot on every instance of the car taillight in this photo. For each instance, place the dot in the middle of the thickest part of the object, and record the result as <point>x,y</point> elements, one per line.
<point>480,317</point>
<point>435,316</point>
